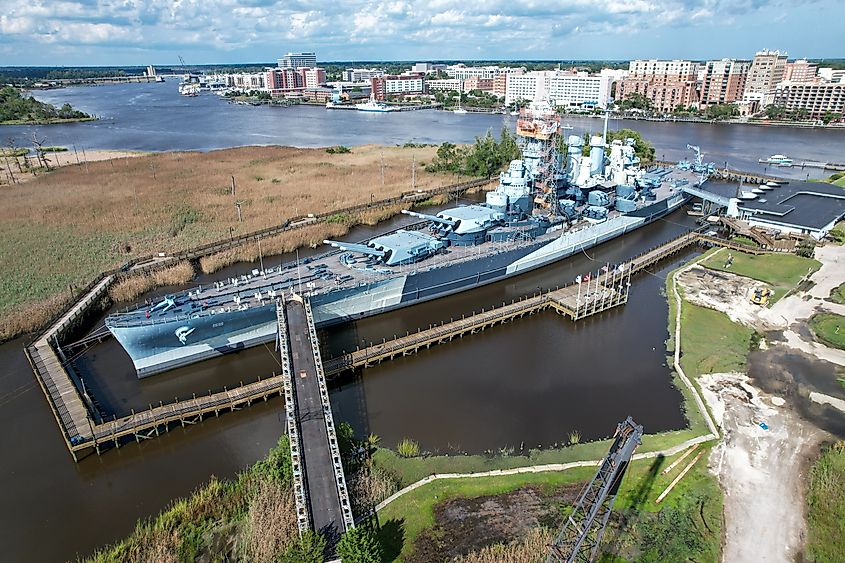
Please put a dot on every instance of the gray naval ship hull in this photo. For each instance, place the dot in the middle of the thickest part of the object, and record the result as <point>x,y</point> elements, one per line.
<point>155,348</point>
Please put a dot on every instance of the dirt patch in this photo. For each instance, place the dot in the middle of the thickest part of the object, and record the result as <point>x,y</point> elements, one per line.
<point>464,525</point>
<point>760,463</point>
<point>729,293</point>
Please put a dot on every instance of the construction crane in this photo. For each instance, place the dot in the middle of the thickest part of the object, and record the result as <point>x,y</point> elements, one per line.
<point>581,534</point>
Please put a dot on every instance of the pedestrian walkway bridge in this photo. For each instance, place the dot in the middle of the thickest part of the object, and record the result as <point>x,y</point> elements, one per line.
<point>322,500</point>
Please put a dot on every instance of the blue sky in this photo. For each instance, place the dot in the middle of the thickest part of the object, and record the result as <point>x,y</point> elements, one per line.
<point>125,32</point>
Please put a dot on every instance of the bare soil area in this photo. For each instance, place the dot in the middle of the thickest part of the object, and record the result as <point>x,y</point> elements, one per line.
<point>723,291</point>
<point>465,525</point>
<point>761,464</point>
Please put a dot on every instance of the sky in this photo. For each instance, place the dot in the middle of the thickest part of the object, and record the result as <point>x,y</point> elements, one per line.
<point>132,32</point>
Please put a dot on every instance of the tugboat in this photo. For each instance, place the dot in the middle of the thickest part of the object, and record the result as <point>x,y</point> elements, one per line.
<point>543,210</point>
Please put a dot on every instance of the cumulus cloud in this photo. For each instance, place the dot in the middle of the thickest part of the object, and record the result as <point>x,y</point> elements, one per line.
<point>340,29</point>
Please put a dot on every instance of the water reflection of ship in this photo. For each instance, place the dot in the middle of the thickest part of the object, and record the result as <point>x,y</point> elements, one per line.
<point>544,209</point>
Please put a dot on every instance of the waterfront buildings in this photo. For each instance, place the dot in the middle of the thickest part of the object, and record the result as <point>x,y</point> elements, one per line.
<point>282,81</point>
<point>298,60</point>
<point>766,70</point>
<point>444,85</point>
<point>361,74</point>
<point>724,82</point>
<point>425,68</point>
<point>813,99</point>
<point>801,70</point>
<point>801,208</point>
<point>397,85</point>
<point>561,88</point>
<point>667,84</point>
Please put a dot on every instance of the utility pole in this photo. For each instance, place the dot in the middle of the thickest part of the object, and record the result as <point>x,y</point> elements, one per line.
<point>233,186</point>
<point>238,206</point>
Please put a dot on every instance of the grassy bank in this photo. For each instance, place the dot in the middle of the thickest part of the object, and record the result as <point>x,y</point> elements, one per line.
<point>64,227</point>
<point>829,328</point>
<point>837,294</point>
<point>251,517</point>
<point>826,505</point>
<point>688,522</point>
<point>781,271</point>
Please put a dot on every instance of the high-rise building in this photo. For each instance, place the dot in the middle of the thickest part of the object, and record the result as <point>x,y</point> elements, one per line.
<point>800,70</point>
<point>766,70</point>
<point>312,77</point>
<point>724,82</point>
<point>668,84</point>
<point>298,60</point>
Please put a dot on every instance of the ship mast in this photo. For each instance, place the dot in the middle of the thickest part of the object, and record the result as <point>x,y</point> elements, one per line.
<point>537,130</point>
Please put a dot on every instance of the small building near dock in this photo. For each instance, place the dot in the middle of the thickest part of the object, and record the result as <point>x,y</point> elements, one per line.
<point>796,208</point>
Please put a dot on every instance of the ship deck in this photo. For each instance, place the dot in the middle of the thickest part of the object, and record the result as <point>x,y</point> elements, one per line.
<point>336,270</point>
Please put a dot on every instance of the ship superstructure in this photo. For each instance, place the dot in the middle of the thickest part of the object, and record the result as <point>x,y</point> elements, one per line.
<point>542,210</point>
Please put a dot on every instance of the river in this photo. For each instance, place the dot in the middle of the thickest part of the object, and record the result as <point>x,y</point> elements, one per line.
<point>154,117</point>
<point>526,384</point>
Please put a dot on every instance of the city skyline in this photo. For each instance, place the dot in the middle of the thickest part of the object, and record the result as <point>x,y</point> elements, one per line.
<point>248,31</point>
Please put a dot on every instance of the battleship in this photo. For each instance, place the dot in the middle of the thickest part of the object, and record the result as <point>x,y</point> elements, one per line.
<point>546,207</point>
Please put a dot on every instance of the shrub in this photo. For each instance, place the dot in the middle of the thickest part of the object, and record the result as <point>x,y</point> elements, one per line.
<point>408,448</point>
<point>359,545</point>
<point>308,549</point>
<point>574,437</point>
<point>340,149</point>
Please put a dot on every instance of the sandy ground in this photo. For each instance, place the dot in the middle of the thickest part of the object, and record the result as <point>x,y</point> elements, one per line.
<point>722,291</point>
<point>761,470</point>
<point>67,158</point>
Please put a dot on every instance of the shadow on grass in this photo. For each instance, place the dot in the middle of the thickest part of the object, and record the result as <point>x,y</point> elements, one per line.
<point>391,537</point>
<point>628,517</point>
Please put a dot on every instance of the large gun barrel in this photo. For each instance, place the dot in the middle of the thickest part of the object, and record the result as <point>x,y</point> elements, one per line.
<point>359,248</point>
<point>432,218</point>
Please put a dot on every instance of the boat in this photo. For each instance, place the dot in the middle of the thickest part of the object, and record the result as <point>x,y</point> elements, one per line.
<point>459,110</point>
<point>374,106</point>
<point>190,89</point>
<point>777,160</point>
<point>545,208</point>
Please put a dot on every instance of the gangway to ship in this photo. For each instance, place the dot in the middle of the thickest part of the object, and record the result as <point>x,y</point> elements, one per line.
<point>322,499</point>
<point>580,537</point>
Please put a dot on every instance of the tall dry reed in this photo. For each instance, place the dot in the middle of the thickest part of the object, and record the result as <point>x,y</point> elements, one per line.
<point>271,525</point>
<point>530,549</point>
<point>137,284</point>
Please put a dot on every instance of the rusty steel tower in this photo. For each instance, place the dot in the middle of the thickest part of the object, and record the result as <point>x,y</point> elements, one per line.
<point>538,129</point>
<point>580,536</point>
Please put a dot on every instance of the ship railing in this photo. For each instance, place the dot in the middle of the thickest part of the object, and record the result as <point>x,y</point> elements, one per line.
<point>334,448</point>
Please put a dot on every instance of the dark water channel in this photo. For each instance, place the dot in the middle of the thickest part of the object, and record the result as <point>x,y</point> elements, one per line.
<point>527,383</point>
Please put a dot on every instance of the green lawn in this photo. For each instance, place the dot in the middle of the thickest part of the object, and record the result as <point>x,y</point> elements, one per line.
<point>826,506</point>
<point>414,512</point>
<point>781,271</point>
<point>837,295</point>
<point>829,328</point>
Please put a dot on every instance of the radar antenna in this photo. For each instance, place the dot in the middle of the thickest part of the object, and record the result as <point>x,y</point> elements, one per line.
<point>581,534</point>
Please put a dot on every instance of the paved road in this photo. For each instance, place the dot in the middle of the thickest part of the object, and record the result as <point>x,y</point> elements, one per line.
<point>326,515</point>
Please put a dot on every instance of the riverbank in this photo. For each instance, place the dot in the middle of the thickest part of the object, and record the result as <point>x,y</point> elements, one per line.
<point>60,229</point>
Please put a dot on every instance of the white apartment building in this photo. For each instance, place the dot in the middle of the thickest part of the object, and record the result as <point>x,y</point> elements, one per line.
<point>444,85</point>
<point>248,80</point>
<point>462,72</point>
<point>651,67</point>
<point>298,60</point>
<point>404,85</point>
<point>562,89</point>
<point>361,74</point>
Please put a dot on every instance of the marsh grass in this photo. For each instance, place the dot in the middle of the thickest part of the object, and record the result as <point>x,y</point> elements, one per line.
<point>62,228</point>
<point>533,548</point>
<point>131,287</point>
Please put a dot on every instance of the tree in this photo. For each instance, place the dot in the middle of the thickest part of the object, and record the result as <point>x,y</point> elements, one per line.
<point>359,545</point>
<point>642,148</point>
<point>635,101</point>
<point>775,112</point>
<point>830,116</point>
<point>719,112</point>
<point>308,549</point>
